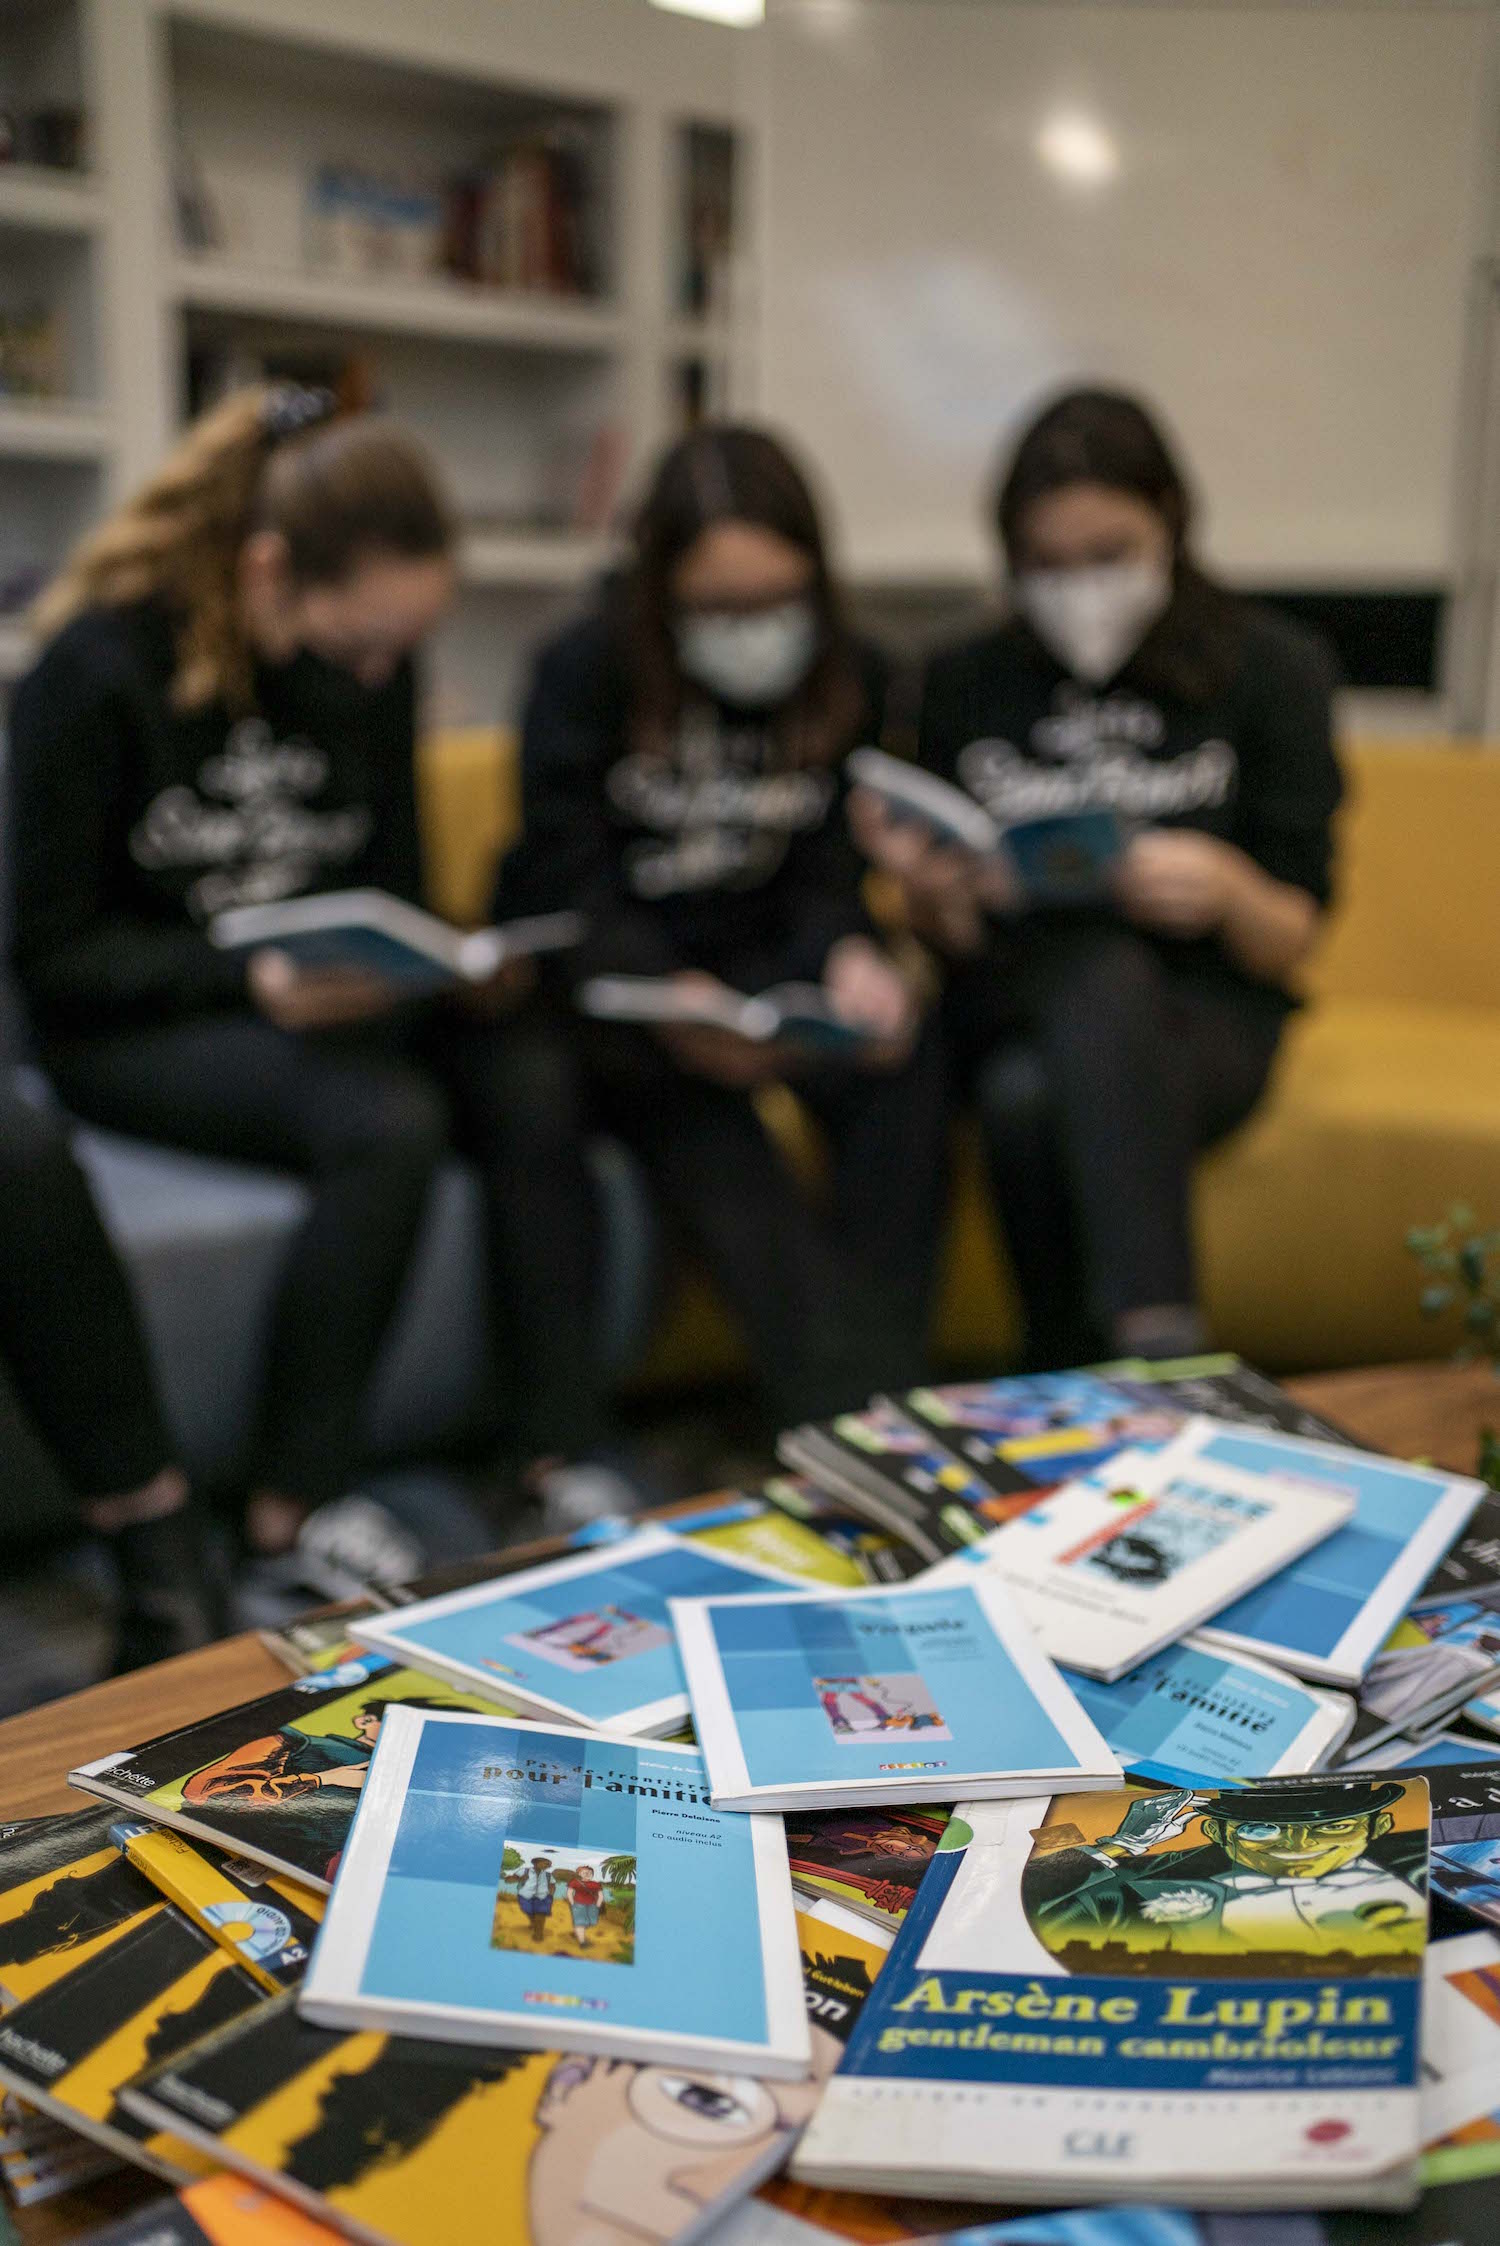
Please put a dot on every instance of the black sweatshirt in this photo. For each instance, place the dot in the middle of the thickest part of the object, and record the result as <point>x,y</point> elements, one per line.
<point>1253,764</point>
<point>133,823</point>
<point>718,855</point>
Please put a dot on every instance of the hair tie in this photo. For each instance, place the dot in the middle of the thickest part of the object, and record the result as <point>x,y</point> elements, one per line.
<point>291,407</point>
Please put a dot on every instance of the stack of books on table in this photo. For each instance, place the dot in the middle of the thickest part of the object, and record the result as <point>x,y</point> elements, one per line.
<point>712,1881</point>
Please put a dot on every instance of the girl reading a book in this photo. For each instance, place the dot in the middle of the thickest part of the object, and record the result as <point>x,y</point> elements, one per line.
<point>681,788</point>
<point>1157,754</point>
<point>224,714</point>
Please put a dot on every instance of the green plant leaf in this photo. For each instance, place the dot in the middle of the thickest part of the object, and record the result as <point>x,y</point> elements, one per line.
<point>1471,1264</point>
<point>1435,1300</point>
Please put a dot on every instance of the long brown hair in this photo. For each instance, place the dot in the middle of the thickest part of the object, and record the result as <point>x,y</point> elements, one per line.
<point>269,458</point>
<point>728,472</point>
<point>1108,437</point>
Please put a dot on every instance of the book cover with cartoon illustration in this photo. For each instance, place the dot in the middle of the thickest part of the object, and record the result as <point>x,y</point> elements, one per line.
<point>1110,1568</point>
<point>220,2211</point>
<point>883,1464</point>
<point>808,1700</point>
<point>869,1860</point>
<point>277,1778</point>
<point>404,2141</point>
<point>1211,1996</point>
<point>584,1639</point>
<point>1030,1433</point>
<point>265,1921</point>
<point>72,2049</point>
<point>64,1895</point>
<point>515,1883</point>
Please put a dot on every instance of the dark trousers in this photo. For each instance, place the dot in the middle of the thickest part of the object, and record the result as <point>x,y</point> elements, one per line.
<point>834,1296</point>
<point>365,1117</point>
<point>70,1339</point>
<point>1100,1072</point>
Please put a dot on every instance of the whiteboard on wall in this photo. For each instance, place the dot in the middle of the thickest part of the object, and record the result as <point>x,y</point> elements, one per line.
<point>1279,261</point>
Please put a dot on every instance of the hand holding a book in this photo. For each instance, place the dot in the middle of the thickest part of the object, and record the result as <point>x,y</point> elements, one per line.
<point>308,998</point>
<point>499,993</point>
<point>947,889</point>
<point>740,1063</point>
<point>868,990</point>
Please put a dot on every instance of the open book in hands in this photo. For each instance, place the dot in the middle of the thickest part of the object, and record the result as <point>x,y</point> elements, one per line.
<point>385,936</point>
<point>789,1013</point>
<point>1065,858</point>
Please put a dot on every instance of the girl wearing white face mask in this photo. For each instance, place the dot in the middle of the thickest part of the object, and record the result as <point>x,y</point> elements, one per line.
<point>1112,1032</point>
<point>681,779</point>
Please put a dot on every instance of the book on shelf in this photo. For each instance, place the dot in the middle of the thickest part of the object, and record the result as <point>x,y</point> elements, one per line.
<point>1192,1712</point>
<point>73,2047</point>
<point>512,1883</point>
<point>265,1921</point>
<point>789,1013</point>
<point>386,936</point>
<point>277,1778</point>
<point>1109,1569</point>
<point>882,1464</point>
<point>585,1639</point>
<point>807,1700</point>
<point>1207,1998</point>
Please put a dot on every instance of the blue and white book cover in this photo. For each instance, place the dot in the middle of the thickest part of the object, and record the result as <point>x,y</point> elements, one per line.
<point>1209,1996</point>
<point>1328,1615</point>
<point>1192,1712</point>
<point>512,1883</point>
<point>587,1639</point>
<point>884,1695</point>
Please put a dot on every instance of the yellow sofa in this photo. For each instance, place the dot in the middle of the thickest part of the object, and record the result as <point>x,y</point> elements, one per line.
<point>1384,1110</point>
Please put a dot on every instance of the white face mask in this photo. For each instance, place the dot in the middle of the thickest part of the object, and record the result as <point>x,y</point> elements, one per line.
<point>751,662</point>
<point>1093,619</point>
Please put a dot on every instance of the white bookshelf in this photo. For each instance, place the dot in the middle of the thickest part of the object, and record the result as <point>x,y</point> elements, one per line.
<point>54,202</point>
<point>53,429</point>
<point>443,310</point>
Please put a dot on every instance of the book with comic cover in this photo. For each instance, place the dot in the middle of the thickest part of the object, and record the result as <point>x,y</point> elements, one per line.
<point>219,2211</point>
<point>1191,1712</point>
<point>812,1701</point>
<point>1109,1569</point>
<point>64,1895</point>
<point>581,1640</point>
<point>400,2142</point>
<point>1210,1998</point>
<point>882,1464</point>
<point>277,1778</point>
<point>1223,1386</point>
<point>876,1555</point>
<point>1023,1434</point>
<point>744,1525</point>
<point>870,1861</point>
<point>72,2049</point>
<point>265,1921</point>
<point>1327,1616</point>
<point>516,1884</point>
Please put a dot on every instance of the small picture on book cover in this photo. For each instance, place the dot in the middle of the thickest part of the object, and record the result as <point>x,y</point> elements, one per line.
<point>565,1902</point>
<point>1160,1534</point>
<point>581,1642</point>
<point>860,1708</point>
<point>1299,1879</point>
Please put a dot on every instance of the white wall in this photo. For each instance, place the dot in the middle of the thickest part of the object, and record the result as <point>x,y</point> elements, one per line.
<point>1280,262</point>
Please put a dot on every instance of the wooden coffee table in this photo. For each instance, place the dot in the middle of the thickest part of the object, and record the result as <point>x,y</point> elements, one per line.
<point>1413,1411</point>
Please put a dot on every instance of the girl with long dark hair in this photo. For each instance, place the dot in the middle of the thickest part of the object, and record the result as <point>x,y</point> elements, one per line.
<point>1110,1037</point>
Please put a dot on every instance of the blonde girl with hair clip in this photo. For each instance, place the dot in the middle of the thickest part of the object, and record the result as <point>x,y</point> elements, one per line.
<point>224,713</point>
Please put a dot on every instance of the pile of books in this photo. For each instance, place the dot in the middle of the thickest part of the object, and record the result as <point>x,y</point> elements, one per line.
<point>1030,1802</point>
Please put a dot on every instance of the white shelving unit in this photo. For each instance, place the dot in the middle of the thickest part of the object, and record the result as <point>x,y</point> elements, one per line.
<point>541,406</point>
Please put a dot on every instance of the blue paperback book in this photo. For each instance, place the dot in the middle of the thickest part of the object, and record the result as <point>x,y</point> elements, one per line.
<point>514,1884</point>
<point>586,1639</point>
<point>1207,1996</point>
<point>1192,1712</point>
<point>831,1700</point>
<point>1329,1613</point>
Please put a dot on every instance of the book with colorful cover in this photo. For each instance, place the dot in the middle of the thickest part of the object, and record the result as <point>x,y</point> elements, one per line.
<point>877,1554</point>
<point>807,1701</point>
<point>517,1884</point>
<point>64,1895</point>
<point>1028,1433</point>
<point>1460,2032</point>
<point>277,1778</point>
<point>1109,1569</point>
<point>884,1465</point>
<point>265,1921</point>
<point>1327,1616</point>
<point>1465,1826</point>
<point>1223,1386</point>
<point>749,1527</point>
<point>73,2048</point>
<point>1442,1659</point>
<point>580,1640</point>
<point>402,2142</point>
<point>1210,1997</point>
<point>869,1860</point>
<point>1191,1712</point>
<point>219,2211</point>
